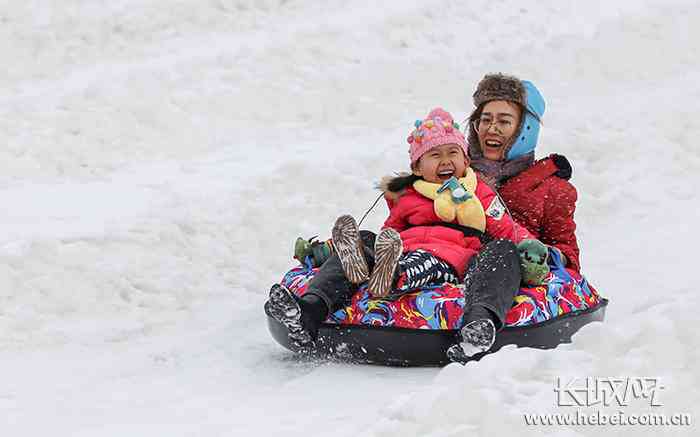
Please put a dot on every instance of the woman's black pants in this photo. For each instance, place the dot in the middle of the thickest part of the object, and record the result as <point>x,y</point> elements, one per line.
<point>491,281</point>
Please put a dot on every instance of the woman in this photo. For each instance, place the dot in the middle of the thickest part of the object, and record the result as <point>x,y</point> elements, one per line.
<point>502,137</point>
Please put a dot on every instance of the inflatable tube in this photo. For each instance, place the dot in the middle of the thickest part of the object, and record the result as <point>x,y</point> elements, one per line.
<point>416,328</point>
<point>426,347</point>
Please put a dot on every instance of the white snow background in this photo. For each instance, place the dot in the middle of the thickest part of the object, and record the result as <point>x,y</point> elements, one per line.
<point>159,157</point>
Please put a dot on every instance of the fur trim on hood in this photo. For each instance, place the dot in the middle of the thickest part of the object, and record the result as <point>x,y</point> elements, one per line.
<point>394,186</point>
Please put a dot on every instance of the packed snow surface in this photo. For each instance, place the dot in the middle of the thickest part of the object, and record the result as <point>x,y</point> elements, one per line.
<point>158,158</point>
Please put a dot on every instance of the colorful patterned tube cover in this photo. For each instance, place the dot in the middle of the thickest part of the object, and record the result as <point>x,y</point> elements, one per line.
<point>441,306</point>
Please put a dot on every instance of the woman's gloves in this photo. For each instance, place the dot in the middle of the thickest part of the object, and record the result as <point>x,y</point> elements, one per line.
<point>533,262</point>
<point>316,251</point>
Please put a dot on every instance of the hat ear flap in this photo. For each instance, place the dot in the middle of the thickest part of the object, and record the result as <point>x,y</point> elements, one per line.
<point>529,132</point>
<point>535,103</point>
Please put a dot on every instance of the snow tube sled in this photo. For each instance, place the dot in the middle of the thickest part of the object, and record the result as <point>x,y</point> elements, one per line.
<point>417,328</point>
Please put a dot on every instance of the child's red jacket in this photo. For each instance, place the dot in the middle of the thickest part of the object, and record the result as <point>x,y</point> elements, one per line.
<point>413,216</point>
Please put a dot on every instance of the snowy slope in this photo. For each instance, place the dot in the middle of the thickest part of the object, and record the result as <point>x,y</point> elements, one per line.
<point>158,158</point>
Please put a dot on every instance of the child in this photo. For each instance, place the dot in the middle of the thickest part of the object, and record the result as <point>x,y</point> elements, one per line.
<point>438,216</point>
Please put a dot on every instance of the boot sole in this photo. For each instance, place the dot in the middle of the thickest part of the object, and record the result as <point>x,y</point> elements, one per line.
<point>477,337</point>
<point>388,248</point>
<point>284,308</point>
<point>347,244</point>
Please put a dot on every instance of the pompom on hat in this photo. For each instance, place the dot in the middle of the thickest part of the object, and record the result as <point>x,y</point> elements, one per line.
<point>437,129</point>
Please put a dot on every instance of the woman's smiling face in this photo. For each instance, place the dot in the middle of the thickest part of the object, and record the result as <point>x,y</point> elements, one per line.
<point>497,127</point>
<point>441,163</point>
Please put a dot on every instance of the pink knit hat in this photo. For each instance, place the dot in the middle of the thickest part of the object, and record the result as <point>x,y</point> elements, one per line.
<point>436,130</point>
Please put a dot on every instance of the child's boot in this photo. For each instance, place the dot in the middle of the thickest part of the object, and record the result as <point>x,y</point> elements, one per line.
<point>348,246</point>
<point>301,316</point>
<point>387,251</point>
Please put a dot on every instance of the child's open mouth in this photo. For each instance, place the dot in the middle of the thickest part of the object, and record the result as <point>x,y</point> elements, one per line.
<point>493,143</point>
<point>444,175</point>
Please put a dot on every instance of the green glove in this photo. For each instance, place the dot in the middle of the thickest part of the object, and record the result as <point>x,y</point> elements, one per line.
<point>318,251</point>
<point>533,262</point>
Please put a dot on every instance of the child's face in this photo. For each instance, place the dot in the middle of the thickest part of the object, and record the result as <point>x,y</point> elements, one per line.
<point>441,163</point>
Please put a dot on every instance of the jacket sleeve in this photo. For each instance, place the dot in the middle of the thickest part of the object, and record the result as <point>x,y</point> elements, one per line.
<point>522,233</point>
<point>558,226</point>
<point>397,218</point>
<point>499,223</point>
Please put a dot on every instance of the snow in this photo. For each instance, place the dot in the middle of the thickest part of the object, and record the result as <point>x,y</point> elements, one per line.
<point>158,159</point>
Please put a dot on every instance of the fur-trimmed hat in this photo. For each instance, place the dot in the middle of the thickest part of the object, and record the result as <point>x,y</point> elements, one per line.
<point>500,87</point>
<point>521,92</point>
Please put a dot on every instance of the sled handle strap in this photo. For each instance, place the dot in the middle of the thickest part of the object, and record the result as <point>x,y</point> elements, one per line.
<point>370,209</point>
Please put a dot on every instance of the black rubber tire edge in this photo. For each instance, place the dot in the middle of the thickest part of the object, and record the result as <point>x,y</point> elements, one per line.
<point>427,347</point>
